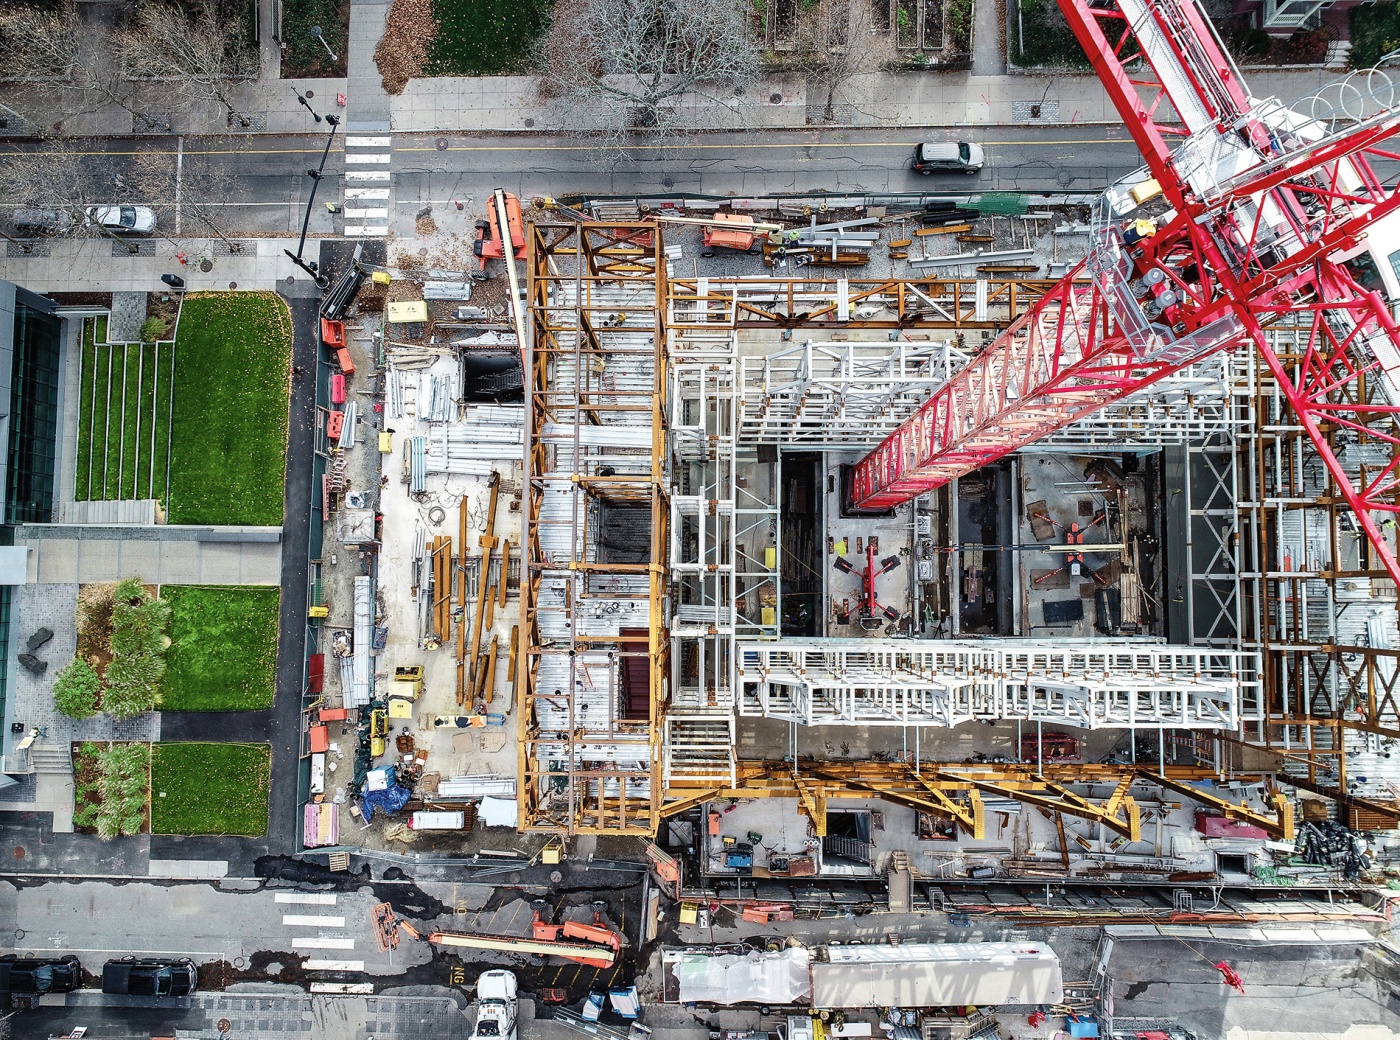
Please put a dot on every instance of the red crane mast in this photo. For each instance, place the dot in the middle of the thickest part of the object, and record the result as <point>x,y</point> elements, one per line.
<point>1248,215</point>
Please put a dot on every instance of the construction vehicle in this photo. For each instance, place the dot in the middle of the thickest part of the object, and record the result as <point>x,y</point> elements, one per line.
<point>407,688</point>
<point>597,933</point>
<point>729,231</point>
<point>496,1006</point>
<point>378,732</point>
<point>590,954</point>
<point>489,243</point>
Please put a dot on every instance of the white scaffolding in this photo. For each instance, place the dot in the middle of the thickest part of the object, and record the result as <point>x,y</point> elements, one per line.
<point>1090,684</point>
<point>852,395</point>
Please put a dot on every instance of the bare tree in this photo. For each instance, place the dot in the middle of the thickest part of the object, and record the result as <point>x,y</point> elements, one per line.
<point>836,43</point>
<point>189,52</point>
<point>621,67</point>
<point>67,63</point>
<point>188,195</point>
<point>38,44</point>
<point>54,178</point>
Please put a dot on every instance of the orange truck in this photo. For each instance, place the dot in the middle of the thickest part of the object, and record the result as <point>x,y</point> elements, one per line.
<point>729,231</point>
<point>489,243</point>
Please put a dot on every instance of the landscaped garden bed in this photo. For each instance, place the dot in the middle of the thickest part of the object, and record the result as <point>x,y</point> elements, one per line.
<point>223,647</point>
<point>120,660</point>
<point>111,788</point>
<point>229,428</point>
<point>210,788</point>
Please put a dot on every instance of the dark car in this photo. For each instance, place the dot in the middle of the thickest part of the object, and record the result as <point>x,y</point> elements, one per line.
<point>149,977</point>
<point>34,221</point>
<point>948,157</point>
<point>25,975</point>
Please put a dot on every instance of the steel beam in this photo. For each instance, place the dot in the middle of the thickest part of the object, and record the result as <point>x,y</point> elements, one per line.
<point>1279,826</point>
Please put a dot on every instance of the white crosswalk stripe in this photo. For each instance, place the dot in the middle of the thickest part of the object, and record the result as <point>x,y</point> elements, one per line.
<point>365,221</point>
<point>312,964</point>
<point>308,898</point>
<point>313,921</point>
<point>323,942</point>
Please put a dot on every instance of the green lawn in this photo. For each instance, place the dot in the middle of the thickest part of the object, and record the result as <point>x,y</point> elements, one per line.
<point>223,647</point>
<point>209,788</point>
<point>485,37</point>
<point>232,366</point>
<point>123,444</point>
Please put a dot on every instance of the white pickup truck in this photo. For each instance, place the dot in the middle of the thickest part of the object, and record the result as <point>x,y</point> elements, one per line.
<point>495,1016</point>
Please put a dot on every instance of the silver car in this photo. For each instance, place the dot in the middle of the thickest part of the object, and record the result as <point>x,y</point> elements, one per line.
<point>124,220</point>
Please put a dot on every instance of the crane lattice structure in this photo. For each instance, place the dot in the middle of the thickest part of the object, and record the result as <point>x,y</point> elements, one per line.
<point>1249,216</point>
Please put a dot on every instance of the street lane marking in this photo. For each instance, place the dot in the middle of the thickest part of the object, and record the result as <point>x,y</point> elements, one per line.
<point>312,921</point>
<point>343,988</point>
<point>360,231</point>
<point>312,898</point>
<point>367,176</point>
<point>315,965</point>
<point>379,158</point>
<point>366,142</point>
<point>323,943</point>
<point>382,212</point>
<point>365,193</point>
<point>748,146</point>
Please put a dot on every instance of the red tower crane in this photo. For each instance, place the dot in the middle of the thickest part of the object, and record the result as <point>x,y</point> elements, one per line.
<point>1247,215</point>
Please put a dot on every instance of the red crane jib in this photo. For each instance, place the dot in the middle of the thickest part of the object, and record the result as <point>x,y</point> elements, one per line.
<point>1257,207</point>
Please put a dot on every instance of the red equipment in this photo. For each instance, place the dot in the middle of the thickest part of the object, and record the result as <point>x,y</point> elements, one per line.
<point>1231,976</point>
<point>489,243</point>
<point>1266,216</point>
<point>729,231</point>
<point>869,606</point>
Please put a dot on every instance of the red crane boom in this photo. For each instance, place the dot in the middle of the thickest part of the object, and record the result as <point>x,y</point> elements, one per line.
<point>1257,216</point>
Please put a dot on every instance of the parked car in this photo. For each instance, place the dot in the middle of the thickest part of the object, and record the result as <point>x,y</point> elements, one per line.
<point>946,157</point>
<point>33,221</point>
<point>496,1006</point>
<point>126,220</point>
<point>23,975</point>
<point>149,977</point>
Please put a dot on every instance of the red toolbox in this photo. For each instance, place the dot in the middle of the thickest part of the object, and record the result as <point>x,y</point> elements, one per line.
<point>333,333</point>
<point>335,423</point>
<point>337,389</point>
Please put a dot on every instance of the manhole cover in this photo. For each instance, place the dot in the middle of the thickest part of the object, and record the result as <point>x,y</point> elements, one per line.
<point>18,852</point>
<point>514,878</point>
<point>529,123</point>
<point>556,876</point>
<point>206,266</point>
<point>441,143</point>
<point>239,962</point>
<point>1064,178</point>
<point>775,98</point>
<point>233,285</point>
<point>309,93</point>
<point>291,280</point>
<point>667,182</point>
<point>19,934</point>
<point>223,1025</point>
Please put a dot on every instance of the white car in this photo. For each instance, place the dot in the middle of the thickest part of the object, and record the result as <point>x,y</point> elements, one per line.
<point>125,220</point>
<point>495,1016</point>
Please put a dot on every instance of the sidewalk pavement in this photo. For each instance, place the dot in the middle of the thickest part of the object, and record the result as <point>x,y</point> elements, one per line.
<point>512,103</point>
<point>62,265</point>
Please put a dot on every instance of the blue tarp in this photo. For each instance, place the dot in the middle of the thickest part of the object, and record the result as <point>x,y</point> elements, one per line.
<point>389,800</point>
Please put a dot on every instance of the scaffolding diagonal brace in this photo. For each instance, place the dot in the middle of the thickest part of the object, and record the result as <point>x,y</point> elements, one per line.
<point>1278,826</point>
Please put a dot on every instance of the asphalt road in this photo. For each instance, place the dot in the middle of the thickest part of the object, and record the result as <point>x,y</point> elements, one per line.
<point>259,184</point>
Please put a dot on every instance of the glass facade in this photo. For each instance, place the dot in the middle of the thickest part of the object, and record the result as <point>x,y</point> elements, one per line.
<point>34,418</point>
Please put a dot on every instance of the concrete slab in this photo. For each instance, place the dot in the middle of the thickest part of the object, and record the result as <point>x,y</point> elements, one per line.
<point>99,559</point>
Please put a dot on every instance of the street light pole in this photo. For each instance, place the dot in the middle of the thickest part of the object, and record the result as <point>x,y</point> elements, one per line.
<point>301,99</point>
<point>310,268</point>
<point>316,32</point>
